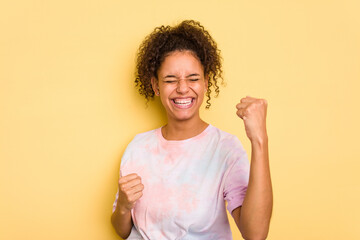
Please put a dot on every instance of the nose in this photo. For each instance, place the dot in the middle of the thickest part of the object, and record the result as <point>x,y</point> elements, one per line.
<point>182,86</point>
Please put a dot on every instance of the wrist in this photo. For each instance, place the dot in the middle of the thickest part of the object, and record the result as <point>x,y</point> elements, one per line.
<point>259,142</point>
<point>123,210</point>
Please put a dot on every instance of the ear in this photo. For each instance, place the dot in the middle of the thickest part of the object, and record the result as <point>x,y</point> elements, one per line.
<point>155,86</point>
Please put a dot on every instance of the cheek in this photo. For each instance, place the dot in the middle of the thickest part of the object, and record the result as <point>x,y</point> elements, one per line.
<point>201,90</point>
<point>163,100</point>
<point>164,95</point>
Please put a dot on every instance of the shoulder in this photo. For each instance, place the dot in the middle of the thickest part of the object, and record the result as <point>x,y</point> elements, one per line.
<point>225,137</point>
<point>142,138</point>
<point>138,144</point>
<point>229,144</point>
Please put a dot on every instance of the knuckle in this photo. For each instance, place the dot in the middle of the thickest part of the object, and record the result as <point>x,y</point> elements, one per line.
<point>262,101</point>
<point>258,104</point>
<point>123,187</point>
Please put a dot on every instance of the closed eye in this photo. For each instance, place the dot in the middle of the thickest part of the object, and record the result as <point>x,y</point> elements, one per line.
<point>169,81</point>
<point>194,79</point>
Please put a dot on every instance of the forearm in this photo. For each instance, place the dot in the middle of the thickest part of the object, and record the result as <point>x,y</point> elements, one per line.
<point>121,221</point>
<point>257,206</point>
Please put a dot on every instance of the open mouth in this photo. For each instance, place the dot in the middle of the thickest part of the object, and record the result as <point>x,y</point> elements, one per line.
<point>183,102</point>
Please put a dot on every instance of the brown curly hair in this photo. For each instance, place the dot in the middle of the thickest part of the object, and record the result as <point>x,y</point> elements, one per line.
<point>188,35</point>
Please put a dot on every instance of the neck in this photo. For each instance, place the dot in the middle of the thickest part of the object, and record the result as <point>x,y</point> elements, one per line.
<point>181,130</point>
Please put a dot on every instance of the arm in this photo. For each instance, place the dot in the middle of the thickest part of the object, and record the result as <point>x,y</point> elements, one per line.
<point>121,221</point>
<point>130,190</point>
<point>253,218</point>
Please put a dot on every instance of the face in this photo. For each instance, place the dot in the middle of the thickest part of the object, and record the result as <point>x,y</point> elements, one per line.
<point>181,85</point>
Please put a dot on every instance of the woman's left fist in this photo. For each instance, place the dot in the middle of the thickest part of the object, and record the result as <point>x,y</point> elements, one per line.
<point>253,112</point>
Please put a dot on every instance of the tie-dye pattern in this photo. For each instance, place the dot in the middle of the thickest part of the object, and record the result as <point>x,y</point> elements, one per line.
<point>186,184</point>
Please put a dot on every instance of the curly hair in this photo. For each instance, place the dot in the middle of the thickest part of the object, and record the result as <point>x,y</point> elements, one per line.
<point>188,35</point>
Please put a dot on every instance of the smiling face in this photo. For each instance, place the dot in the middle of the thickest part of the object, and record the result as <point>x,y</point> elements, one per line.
<point>181,85</point>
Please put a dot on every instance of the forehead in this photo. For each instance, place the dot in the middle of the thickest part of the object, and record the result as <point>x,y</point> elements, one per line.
<point>181,63</point>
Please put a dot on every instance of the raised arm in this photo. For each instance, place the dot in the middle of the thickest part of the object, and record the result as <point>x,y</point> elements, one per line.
<point>253,217</point>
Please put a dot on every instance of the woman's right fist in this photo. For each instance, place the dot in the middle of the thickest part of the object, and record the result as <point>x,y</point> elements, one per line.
<point>130,190</point>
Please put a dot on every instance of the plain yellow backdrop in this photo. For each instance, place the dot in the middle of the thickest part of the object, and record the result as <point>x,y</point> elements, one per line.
<point>68,108</point>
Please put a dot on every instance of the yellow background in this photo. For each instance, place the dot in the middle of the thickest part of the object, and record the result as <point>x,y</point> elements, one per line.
<point>69,108</point>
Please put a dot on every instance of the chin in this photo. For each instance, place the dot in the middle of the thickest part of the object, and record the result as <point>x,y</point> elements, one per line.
<point>183,117</point>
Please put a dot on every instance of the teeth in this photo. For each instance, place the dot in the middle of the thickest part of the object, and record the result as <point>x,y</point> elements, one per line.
<point>183,101</point>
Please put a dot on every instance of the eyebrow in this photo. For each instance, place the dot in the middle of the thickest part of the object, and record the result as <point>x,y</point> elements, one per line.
<point>191,75</point>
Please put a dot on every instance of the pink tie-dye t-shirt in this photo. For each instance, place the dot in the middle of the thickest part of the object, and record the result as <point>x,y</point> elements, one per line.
<point>186,184</point>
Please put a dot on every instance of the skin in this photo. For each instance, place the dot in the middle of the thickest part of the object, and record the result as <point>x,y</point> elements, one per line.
<point>181,75</point>
<point>181,78</point>
<point>130,190</point>
<point>253,217</point>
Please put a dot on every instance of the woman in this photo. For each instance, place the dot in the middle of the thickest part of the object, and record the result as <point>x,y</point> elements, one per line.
<point>174,180</point>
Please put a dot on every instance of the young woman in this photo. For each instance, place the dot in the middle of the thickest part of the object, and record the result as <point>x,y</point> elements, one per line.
<point>174,180</point>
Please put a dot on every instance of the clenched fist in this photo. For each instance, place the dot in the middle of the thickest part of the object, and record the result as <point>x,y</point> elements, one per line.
<point>253,112</point>
<point>130,190</point>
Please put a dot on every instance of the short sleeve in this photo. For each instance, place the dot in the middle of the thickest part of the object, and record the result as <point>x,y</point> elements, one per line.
<point>116,196</point>
<point>236,177</point>
<point>115,202</point>
<point>128,156</point>
<point>124,159</point>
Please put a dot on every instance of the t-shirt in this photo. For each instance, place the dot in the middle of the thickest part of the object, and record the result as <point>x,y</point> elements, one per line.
<point>186,184</point>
